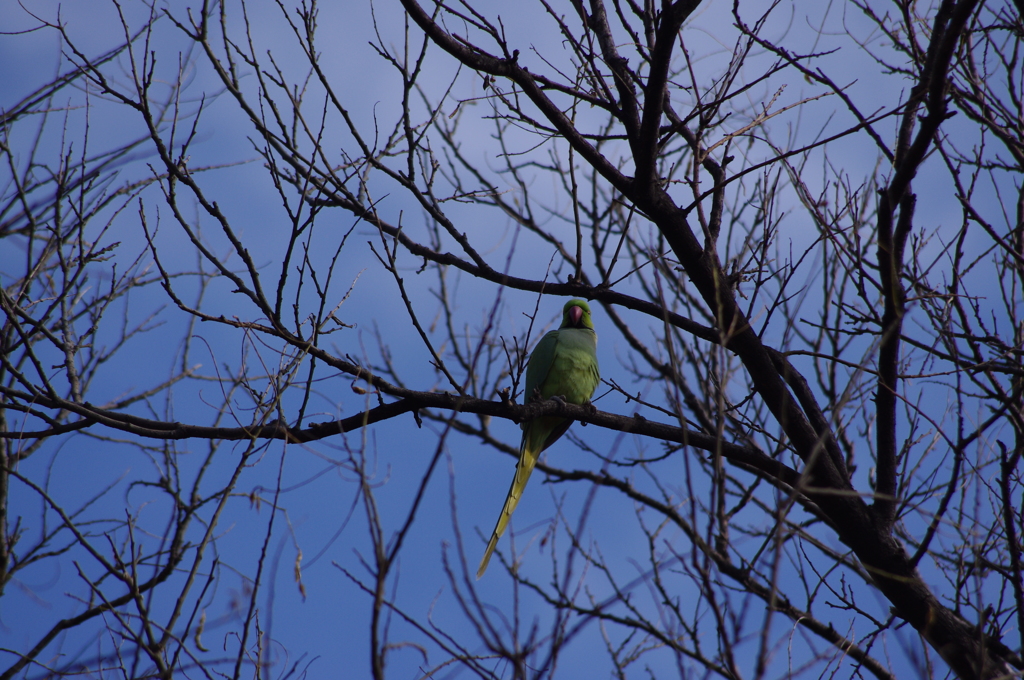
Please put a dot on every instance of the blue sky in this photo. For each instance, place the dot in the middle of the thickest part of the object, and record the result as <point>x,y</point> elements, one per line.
<point>327,631</point>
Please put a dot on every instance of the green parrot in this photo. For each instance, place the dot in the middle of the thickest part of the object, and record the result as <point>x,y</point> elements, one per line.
<point>563,365</point>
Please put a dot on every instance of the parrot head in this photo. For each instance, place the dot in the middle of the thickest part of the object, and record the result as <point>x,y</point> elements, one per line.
<point>576,314</point>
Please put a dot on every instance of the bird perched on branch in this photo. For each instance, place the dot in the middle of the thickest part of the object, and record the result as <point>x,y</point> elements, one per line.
<point>562,366</point>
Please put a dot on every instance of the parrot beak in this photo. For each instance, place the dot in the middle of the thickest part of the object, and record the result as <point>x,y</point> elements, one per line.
<point>575,314</point>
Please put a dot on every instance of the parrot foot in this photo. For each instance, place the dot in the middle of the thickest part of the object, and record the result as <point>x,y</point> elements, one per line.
<point>591,409</point>
<point>559,398</point>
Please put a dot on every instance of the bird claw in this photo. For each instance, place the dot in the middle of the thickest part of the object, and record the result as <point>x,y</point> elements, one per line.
<point>591,409</point>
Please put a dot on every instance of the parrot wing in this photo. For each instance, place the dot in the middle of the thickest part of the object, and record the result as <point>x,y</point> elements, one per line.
<point>541,361</point>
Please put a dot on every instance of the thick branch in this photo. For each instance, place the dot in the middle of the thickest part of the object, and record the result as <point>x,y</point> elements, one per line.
<point>411,401</point>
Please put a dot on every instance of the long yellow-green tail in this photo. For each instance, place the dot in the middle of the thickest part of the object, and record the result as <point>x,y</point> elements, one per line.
<point>524,468</point>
